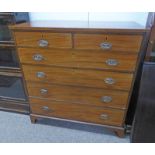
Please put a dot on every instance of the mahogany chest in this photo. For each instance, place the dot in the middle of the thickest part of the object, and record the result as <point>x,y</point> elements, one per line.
<point>80,71</point>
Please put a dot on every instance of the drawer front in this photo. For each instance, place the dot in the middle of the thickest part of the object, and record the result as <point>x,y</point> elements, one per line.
<point>78,77</point>
<point>49,74</point>
<point>39,39</point>
<point>78,58</point>
<point>46,57</point>
<point>77,112</point>
<point>28,38</point>
<point>80,95</point>
<point>130,43</point>
<point>105,60</point>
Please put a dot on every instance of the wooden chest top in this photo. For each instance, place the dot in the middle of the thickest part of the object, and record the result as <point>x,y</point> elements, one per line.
<point>81,26</point>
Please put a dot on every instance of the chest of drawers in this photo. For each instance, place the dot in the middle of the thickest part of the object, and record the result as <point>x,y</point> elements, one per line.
<point>79,73</point>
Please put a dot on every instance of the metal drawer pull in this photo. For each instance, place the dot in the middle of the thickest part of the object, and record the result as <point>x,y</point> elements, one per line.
<point>109,81</point>
<point>106,45</point>
<point>38,57</point>
<point>43,43</point>
<point>104,116</point>
<point>43,91</point>
<point>112,62</point>
<point>40,74</point>
<point>46,108</point>
<point>106,99</point>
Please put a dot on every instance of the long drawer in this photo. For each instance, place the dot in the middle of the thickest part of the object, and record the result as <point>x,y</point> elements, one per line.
<point>43,39</point>
<point>130,43</point>
<point>72,94</point>
<point>77,112</point>
<point>79,58</point>
<point>78,77</point>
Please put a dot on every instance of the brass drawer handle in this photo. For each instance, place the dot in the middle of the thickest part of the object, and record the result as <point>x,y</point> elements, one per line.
<point>40,74</point>
<point>43,91</point>
<point>112,62</point>
<point>45,108</point>
<point>109,81</point>
<point>106,99</point>
<point>106,45</point>
<point>38,57</point>
<point>43,43</point>
<point>104,116</point>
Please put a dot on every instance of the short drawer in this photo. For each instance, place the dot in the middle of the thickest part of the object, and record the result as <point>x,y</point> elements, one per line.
<point>80,95</point>
<point>126,43</point>
<point>77,112</point>
<point>46,39</point>
<point>78,77</point>
<point>106,60</point>
<point>37,56</point>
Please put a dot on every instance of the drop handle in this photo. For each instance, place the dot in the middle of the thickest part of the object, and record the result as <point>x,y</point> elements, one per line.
<point>40,74</point>
<point>45,108</point>
<point>109,81</point>
<point>106,99</point>
<point>43,91</point>
<point>104,116</point>
<point>43,43</point>
<point>106,45</point>
<point>111,62</point>
<point>38,57</point>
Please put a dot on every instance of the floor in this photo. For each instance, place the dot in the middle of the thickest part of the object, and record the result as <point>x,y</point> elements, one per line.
<point>18,128</point>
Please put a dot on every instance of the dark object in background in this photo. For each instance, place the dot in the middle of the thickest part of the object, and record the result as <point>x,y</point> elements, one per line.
<point>6,82</point>
<point>14,17</point>
<point>144,123</point>
<point>12,91</point>
<point>147,47</point>
<point>143,129</point>
<point>9,18</point>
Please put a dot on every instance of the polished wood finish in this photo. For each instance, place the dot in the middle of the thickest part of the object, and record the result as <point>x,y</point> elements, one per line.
<point>61,57</point>
<point>58,40</point>
<point>88,59</point>
<point>127,43</point>
<point>55,40</point>
<point>69,78</point>
<point>28,38</point>
<point>78,77</point>
<point>120,132</point>
<point>77,112</point>
<point>79,95</point>
<point>81,26</point>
